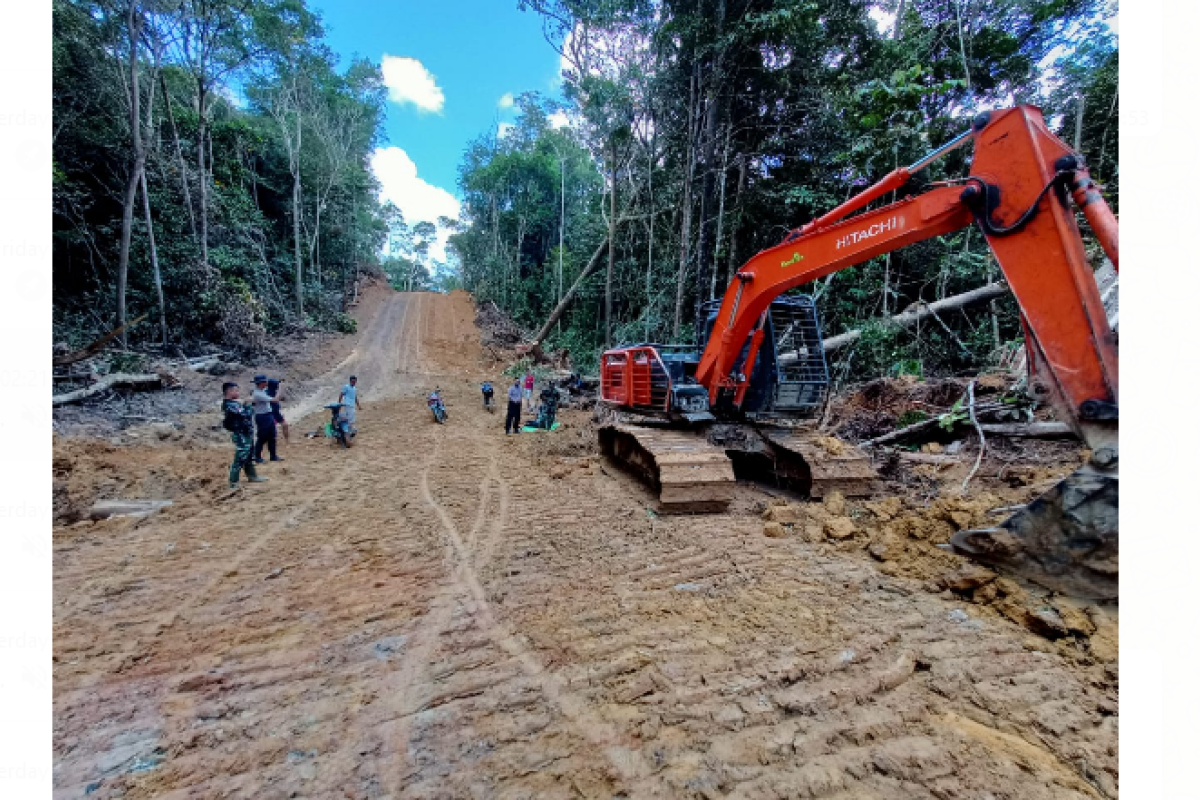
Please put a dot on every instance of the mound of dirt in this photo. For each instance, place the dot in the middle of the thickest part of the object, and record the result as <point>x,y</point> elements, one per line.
<point>903,536</point>
<point>177,468</point>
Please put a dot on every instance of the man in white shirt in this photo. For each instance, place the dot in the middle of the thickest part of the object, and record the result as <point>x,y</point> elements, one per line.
<point>264,420</point>
<point>349,396</point>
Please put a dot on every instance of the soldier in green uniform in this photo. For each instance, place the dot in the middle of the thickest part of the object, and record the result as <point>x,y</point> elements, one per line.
<point>238,421</point>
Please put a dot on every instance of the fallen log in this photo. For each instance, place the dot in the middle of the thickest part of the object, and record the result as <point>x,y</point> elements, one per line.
<point>592,265</point>
<point>924,311</point>
<point>1031,430</point>
<point>103,509</point>
<point>933,422</point>
<point>94,347</point>
<point>118,380</point>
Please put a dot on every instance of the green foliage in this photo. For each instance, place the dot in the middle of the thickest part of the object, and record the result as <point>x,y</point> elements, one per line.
<point>344,323</point>
<point>911,418</point>
<point>126,362</point>
<point>259,51</point>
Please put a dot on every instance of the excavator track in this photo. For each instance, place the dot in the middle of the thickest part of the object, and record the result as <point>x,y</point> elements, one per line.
<point>691,475</point>
<point>832,465</point>
<point>693,470</point>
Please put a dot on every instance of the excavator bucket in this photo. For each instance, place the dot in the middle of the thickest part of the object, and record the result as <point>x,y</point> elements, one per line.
<point>1065,540</point>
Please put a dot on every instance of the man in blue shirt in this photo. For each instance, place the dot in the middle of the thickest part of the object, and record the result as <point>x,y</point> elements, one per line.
<point>349,396</point>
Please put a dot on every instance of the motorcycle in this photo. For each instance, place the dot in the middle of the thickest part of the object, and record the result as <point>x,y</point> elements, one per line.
<point>437,407</point>
<point>338,427</point>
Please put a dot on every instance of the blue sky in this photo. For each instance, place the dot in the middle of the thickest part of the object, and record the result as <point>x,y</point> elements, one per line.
<point>448,65</point>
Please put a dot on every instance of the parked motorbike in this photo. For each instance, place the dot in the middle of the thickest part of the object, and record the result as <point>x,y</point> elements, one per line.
<point>338,427</point>
<point>437,407</point>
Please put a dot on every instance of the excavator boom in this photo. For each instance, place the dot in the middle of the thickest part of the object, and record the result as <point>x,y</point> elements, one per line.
<point>1019,191</point>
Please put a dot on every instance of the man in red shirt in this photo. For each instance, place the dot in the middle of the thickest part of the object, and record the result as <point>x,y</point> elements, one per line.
<point>528,387</point>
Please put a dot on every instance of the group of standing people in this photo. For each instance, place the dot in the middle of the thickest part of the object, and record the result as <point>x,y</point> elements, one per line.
<point>263,414</point>
<point>520,396</point>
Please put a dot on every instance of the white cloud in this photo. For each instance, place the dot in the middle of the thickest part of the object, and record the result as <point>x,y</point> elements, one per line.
<point>559,119</point>
<point>504,129</point>
<point>417,199</point>
<point>408,81</point>
<point>506,100</point>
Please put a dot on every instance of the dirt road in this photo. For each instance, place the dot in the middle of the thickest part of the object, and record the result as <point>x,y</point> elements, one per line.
<point>442,611</point>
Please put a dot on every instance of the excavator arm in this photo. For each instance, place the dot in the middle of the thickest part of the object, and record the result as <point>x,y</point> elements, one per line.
<point>1019,191</point>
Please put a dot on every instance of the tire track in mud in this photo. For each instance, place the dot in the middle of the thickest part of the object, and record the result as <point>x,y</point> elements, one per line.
<point>628,763</point>
<point>104,693</point>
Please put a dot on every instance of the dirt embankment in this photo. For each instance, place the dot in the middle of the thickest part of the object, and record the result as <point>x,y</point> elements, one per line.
<point>444,611</point>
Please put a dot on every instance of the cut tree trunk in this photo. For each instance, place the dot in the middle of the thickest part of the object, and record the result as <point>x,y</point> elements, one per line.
<point>117,380</point>
<point>924,311</point>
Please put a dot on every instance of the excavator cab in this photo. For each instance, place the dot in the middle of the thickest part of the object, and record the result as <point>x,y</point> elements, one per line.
<point>790,378</point>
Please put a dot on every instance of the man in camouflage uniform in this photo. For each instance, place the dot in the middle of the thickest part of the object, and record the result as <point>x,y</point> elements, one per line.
<point>239,422</point>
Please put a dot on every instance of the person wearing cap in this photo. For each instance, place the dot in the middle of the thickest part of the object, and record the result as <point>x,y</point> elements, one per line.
<point>349,396</point>
<point>276,408</point>
<point>264,420</point>
<point>237,422</point>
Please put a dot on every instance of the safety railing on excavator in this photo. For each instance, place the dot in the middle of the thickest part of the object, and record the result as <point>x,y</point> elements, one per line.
<point>635,377</point>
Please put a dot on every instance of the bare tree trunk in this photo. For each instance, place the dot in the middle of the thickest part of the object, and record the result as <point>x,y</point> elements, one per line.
<point>737,219</point>
<point>685,235</point>
<point>297,210</point>
<point>158,289</point>
<point>899,17</point>
<point>183,180</point>
<point>712,289</point>
<point>202,186</point>
<point>138,161</point>
<point>706,245</point>
<point>962,48</point>
<point>650,230</point>
<point>1079,103</point>
<point>612,250</point>
<point>562,220</point>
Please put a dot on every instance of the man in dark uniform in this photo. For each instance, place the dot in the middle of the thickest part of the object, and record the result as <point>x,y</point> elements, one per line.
<point>512,421</point>
<point>237,422</point>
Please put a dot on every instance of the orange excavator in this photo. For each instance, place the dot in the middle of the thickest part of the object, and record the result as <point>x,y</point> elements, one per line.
<point>749,396</point>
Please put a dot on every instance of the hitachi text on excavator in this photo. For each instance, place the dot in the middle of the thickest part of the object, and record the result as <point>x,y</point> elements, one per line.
<point>685,419</point>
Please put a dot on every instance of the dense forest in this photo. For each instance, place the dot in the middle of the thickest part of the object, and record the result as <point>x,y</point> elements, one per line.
<point>211,170</point>
<point>212,166</point>
<point>697,132</point>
